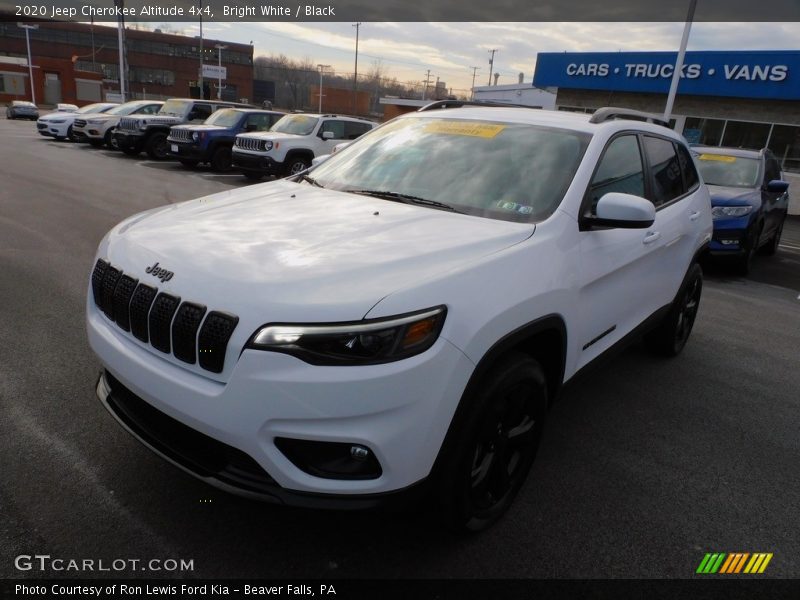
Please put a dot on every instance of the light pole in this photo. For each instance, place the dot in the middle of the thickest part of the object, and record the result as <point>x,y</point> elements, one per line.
<point>491,64</point>
<point>321,69</point>
<point>27,29</point>
<point>355,74</point>
<point>219,48</point>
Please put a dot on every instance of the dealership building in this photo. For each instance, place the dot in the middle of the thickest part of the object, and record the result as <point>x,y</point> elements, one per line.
<point>79,63</point>
<point>748,99</point>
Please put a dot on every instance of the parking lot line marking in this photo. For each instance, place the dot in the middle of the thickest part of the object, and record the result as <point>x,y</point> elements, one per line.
<point>789,246</point>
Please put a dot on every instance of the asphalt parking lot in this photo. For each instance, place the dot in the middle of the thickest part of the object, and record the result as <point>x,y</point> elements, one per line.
<point>645,466</point>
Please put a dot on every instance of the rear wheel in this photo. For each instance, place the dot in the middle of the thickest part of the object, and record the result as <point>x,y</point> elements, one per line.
<point>156,146</point>
<point>671,335</point>
<point>498,440</point>
<point>221,159</point>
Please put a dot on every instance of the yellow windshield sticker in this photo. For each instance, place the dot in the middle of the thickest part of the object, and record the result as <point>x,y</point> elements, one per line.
<point>718,157</point>
<point>484,130</point>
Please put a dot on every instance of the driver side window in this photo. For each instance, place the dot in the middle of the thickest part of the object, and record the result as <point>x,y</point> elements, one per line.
<point>619,170</point>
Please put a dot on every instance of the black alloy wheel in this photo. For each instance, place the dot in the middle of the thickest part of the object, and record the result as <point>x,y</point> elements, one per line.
<point>671,335</point>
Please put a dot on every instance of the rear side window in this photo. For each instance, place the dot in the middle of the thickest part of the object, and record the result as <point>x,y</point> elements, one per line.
<point>353,130</point>
<point>620,170</point>
<point>690,177</point>
<point>201,112</point>
<point>336,127</point>
<point>666,171</point>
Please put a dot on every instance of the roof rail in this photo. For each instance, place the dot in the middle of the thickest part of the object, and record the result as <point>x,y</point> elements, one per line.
<point>460,103</point>
<point>608,113</point>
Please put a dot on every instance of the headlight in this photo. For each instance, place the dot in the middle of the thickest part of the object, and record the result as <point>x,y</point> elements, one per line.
<point>366,342</point>
<point>195,136</point>
<point>722,212</point>
<point>95,121</point>
<point>268,145</point>
<point>59,121</point>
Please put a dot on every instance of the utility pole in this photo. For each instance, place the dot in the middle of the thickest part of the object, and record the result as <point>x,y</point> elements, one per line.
<point>200,76</point>
<point>355,73</point>
<point>676,74</point>
<point>321,69</point>
<point>427,80</point>
<point>27,29</point>
<point>121,42</point>
<point>474,70</point>
<point>219,48</point>
<point>491,64</point>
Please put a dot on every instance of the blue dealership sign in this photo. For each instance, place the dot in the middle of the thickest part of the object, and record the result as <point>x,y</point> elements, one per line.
<point>769,74</point>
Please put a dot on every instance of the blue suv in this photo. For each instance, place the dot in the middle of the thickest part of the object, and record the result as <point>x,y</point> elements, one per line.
<point>211,142</point>
<point>749,201</point>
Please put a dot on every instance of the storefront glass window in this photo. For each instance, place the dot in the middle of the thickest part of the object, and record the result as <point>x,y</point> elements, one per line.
<point>741,134</point>
<point>785,145</point>
<point>707,132</point>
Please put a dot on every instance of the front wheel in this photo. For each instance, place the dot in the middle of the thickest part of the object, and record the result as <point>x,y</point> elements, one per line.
<point>156,146</point>
<point>772,247</point>
<point>497,443</point>
<point>221,159</point>
<point>671,335</point>
<point>70,135</point>
<point>296,165</point>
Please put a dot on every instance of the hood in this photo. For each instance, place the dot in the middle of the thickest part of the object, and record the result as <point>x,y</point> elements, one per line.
<point>202,127</point>
<point>61,115</point>
<point>733,196</point>
<point>272,135</point>
<point>291,252</point>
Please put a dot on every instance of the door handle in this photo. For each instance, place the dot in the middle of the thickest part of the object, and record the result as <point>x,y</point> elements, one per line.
<point>651,237</point>
<point>694,215</point>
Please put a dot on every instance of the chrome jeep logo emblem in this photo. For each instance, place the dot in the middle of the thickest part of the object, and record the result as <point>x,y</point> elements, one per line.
<point>157,271</point>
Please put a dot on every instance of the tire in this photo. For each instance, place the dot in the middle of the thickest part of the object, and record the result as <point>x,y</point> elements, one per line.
<point>772,247</point>
<point>496,445</point>
<point>745,263</point>
<point>221,159</point>
<point>156,146</point>
<point>70,135</point>
<point>188,163</point>
<point>295,165</point>
<point>108,138</point>
<point>252,175</point>
<point>671,335</point>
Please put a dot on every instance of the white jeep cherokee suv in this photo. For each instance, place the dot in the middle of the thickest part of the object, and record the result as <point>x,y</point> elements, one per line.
<point>293,142</point>
<point>397,320</point>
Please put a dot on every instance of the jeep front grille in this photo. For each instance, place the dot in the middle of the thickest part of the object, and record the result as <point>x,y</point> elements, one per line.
<point>161,320</point>
<point>249,143</point>
<point>180,135</point>
<point>128,124</point>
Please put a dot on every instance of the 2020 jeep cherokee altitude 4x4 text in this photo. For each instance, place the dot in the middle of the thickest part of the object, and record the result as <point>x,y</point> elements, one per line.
<point>399,318</point>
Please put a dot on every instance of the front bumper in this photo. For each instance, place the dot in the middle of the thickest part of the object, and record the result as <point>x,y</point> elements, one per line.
<point>254,163</point>
<point>730,236</point>
<point>52,129</point>
<point>185,151</point>
<point>400,411</point>
<point>127,139</point>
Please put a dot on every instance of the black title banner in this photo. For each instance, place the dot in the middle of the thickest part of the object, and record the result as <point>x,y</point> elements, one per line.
<point>398,10</point>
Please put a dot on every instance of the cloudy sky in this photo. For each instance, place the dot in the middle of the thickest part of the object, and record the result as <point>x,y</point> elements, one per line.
<point>449,50</point>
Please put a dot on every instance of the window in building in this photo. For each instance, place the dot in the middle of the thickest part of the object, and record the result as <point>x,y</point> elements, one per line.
<point>154,76</point>
<point>707,132</point>
<point>785,145</point>
<point>742,134</point>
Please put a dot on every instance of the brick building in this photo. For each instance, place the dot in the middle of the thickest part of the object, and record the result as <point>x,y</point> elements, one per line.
<point>79,63</point>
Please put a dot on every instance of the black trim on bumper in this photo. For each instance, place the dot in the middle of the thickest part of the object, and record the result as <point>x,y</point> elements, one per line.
<point>187,151</point>
<point>128,140</point>
<point>224,466</point>
<point>254,163</point>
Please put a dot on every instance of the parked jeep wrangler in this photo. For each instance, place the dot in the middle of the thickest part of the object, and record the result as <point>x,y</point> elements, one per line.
<point>149,134</point>
<point>293,142</point>
<point>212,141</point>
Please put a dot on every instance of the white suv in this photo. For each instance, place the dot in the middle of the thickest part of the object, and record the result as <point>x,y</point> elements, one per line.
<point>293,142</point>
<point>397,320</point>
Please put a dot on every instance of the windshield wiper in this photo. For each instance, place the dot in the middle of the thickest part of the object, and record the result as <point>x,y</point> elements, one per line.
<point>406,199</point>
<point>310,180</point>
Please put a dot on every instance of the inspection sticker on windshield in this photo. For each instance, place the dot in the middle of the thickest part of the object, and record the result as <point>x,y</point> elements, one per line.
<point>484,130</point>
<point>719,157</point>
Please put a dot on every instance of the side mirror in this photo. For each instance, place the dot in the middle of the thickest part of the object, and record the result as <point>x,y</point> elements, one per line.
<point>624,211</point>
<point>326,135</point>
<point>777,186</point>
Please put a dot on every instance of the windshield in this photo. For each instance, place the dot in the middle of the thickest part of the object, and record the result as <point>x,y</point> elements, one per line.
<point>296,124</point>
<point>729,171</point>
<point>174,108</point>
<point>93,108</point>
<point>125,109</point>
<point>508,171</point>
<point>227,117</point>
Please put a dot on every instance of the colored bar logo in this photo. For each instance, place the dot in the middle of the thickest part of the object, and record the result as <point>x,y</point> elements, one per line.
<point>734,563</point>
